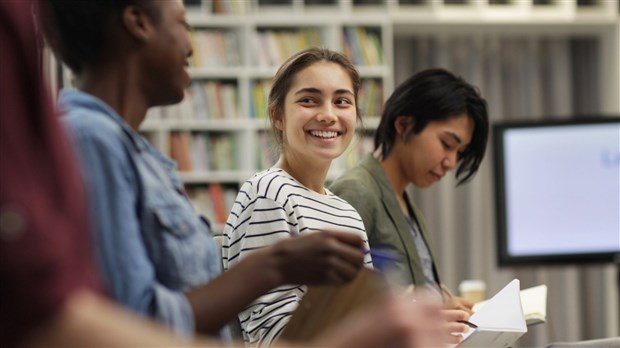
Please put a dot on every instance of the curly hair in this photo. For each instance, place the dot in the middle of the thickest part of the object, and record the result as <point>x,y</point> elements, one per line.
<point>78,30</point>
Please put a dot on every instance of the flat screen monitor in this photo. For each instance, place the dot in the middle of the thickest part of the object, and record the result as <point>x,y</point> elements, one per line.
<point>557,191</point>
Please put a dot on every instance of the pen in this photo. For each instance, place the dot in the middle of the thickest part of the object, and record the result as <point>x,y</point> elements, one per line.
<point>383,258</point>
<point>445,292</point>
<point>468,323</point>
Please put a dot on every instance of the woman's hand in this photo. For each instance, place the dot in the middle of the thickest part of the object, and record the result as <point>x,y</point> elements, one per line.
<point>396,321</point>
<point>454,324</point>
<point>459,303</point>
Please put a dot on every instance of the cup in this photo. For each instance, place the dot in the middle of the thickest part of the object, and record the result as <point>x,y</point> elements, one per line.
<point>473,290</point>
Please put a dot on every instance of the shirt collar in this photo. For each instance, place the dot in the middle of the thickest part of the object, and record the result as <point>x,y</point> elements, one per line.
<point>73,98</point>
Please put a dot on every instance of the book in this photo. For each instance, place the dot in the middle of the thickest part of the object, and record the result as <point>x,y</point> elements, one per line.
<point>322,307</point>
<point>499,322</point>
<point>180,150</point>
<point>534,303</point>
<point>219,206</point>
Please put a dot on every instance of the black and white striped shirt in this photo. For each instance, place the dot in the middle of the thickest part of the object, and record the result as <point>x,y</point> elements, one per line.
<point>271,206</point>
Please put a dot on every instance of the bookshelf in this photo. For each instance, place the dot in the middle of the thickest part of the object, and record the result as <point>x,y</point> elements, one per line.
<point>238,45</point>
<point>219,135</point>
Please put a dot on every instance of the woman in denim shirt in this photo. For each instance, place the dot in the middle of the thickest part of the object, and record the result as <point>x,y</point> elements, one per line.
<point>156,254</point>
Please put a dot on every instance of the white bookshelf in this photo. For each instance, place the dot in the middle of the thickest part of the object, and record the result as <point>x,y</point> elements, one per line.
<point>256,24</point>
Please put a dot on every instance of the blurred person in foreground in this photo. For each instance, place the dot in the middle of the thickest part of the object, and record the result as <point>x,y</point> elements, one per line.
<point>49,290</point>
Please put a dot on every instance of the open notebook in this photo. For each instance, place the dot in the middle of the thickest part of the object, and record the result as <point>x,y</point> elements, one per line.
<point>534,303</point>
<point>500,322</point>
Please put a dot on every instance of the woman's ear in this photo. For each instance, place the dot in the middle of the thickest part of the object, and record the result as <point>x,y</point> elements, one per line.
<point>275,119</point>
<point>403,125</point>
<point>137,23</point>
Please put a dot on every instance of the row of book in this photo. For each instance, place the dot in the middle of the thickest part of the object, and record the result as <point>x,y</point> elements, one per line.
<point>204,100</point>
<point>204,151</point>
<point>213,99</point>
<point>363,46</point>
<point>220,47</point>
<point>266,152</point>
<point>370,99</point>
<point>215,48</point>
<point>229,6</point>
<point>214,202</point>
<point>273,47</point>
<point>260,96</point>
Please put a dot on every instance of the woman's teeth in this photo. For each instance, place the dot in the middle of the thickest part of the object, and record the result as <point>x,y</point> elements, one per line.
<point>324,134</point>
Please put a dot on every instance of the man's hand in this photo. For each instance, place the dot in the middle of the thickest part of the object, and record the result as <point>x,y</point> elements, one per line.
<point>326,257</point>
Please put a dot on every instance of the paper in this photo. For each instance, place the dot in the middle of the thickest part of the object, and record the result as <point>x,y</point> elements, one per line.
<point>534,303</point>
<point>500,321</point>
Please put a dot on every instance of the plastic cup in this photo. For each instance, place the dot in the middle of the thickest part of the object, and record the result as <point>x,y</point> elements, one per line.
<point>473,290</point>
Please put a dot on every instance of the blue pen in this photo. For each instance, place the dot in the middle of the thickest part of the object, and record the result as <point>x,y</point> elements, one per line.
<point>383,258</point>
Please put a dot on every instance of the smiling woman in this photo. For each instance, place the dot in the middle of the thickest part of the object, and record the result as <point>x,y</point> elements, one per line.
<point>313,110</point>
<point>318,122</point>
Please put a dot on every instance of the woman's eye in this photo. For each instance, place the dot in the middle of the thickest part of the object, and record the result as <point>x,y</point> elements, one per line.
<point>463,152</point>
<point>305,100</point>
<point>343,101</point>
<point>445,145</point>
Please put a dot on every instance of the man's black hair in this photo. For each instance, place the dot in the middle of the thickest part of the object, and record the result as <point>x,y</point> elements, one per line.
<point>78,30</point>
<point>436,95</point>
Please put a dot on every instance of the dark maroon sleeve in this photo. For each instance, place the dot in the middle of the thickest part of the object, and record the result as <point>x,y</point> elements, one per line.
<point>44,250</point>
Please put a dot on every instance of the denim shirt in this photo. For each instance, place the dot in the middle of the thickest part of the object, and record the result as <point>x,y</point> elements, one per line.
<point>150,243</point>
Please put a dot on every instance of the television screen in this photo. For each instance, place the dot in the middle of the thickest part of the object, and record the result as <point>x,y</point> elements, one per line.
<point>558,191</point>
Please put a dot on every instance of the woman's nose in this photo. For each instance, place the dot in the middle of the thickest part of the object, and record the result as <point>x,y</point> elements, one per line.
<point>326,114</point>
<point>449,162</point>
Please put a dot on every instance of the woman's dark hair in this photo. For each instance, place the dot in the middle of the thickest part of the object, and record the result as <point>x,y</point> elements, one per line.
<point>78,30</point>
<point>285,76</point>
<point>436,95</point>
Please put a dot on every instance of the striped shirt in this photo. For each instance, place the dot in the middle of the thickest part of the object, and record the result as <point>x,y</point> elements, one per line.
<point>271,206</point>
